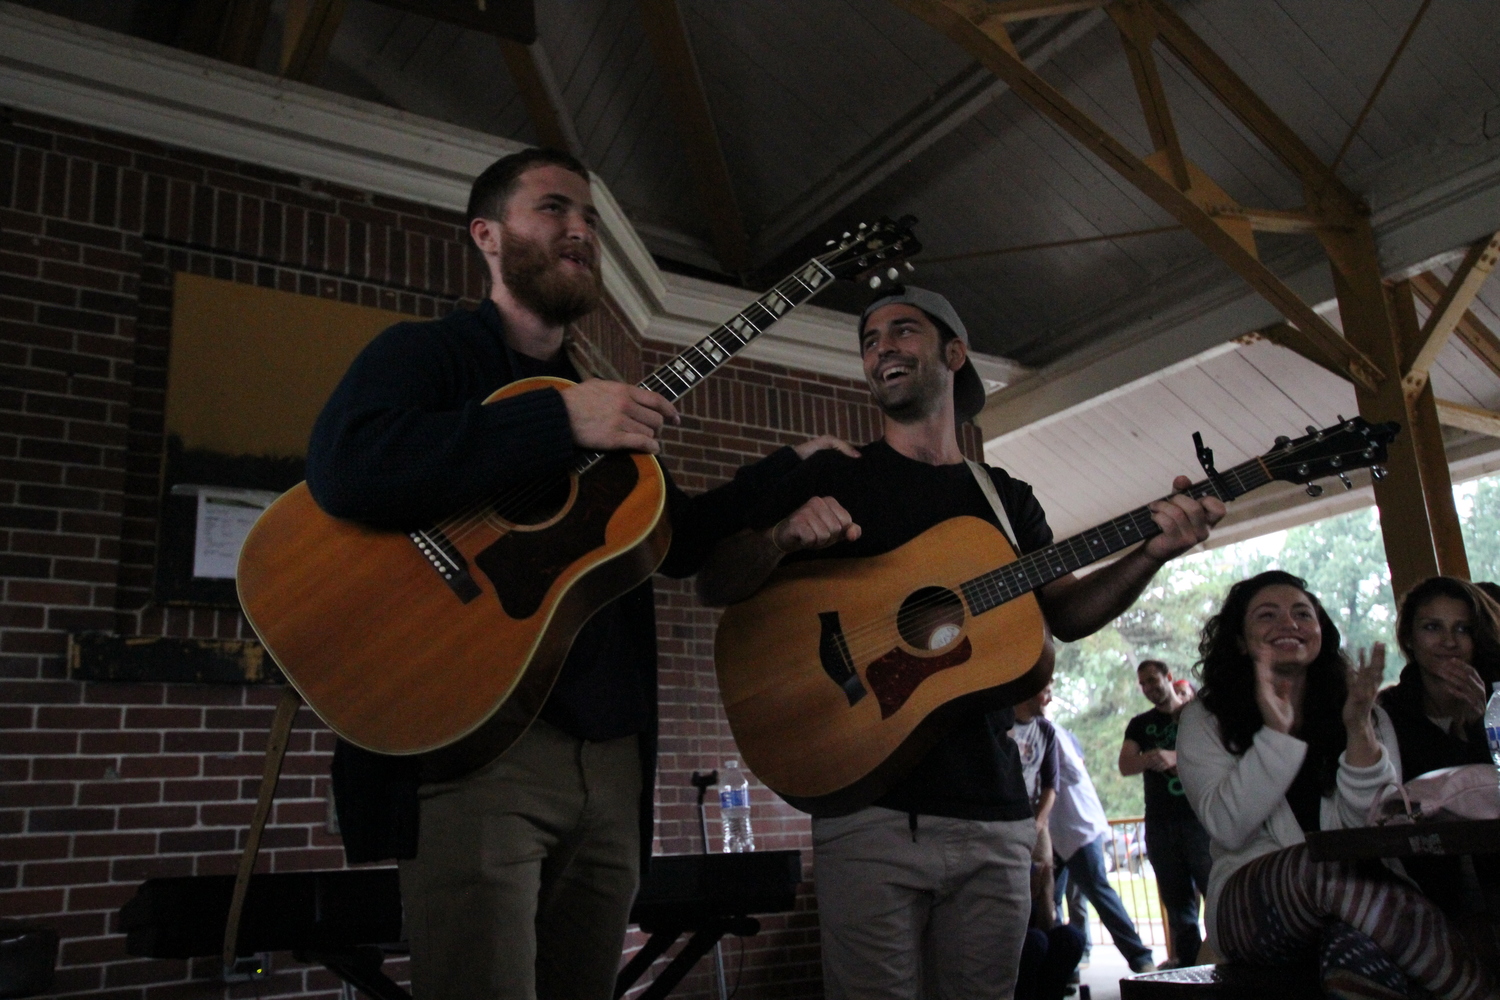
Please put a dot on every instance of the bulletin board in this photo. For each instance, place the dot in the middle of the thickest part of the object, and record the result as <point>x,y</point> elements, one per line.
<point>248,371</point>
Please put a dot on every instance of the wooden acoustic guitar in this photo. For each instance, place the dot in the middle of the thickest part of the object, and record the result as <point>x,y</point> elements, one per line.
<point>446,640</point>
<point>839,674</point>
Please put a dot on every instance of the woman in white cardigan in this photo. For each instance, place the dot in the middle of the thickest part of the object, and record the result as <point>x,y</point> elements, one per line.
<point>1284,738</point>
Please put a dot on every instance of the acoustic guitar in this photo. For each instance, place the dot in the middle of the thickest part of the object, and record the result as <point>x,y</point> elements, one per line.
<point>446,639</point>
<point>839,674</point>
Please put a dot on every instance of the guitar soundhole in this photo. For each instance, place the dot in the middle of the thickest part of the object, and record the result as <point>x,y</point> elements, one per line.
<point>931,618</point>
<point>539,504</point>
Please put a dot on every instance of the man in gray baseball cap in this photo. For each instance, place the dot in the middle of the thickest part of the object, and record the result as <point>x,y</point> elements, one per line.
<point>931,880</point>
<point>968,389</point>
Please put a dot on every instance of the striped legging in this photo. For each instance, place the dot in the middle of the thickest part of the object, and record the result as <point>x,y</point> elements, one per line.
<point>1276,908</point>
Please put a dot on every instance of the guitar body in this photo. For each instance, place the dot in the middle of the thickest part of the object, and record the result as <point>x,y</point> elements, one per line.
<point>830,739</point>
<point>395,659</point>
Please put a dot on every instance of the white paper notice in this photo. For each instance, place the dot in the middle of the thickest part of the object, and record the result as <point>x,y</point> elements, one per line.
<point>224,519</point>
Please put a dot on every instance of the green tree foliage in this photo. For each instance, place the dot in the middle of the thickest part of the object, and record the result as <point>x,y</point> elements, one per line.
<point>1342,559</point>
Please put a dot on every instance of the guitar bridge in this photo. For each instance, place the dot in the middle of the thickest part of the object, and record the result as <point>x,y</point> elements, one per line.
<point>450,564</point>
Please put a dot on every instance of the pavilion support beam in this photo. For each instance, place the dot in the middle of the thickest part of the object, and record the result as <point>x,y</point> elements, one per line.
<point>1426,433</point>
<point>1449,309</point>
<point>307,37</point>
<point>1469,418</point>
<point>673,52</point>
<point>988,42</point>
<point>532,73</point>
<point>1469,329</point>
<point>1138,32</point>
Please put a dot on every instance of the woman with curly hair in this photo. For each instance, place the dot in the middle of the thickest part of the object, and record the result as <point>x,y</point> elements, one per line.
<point>1285,737</point>
<point>1447,630</point>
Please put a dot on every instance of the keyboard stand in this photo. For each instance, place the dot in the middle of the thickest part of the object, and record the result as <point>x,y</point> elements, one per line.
<point>705,935</point>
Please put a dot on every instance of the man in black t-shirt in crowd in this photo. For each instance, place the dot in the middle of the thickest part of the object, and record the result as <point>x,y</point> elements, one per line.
<point>1176,842</point>
<point>930,883</point>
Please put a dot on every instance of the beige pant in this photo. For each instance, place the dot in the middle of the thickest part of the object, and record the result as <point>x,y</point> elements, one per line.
<point>939,916</point>
<point>525,872</point>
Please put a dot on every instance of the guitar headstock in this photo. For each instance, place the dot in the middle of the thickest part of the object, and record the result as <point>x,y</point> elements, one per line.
<point>1353,444</point>
<point>874,251</point>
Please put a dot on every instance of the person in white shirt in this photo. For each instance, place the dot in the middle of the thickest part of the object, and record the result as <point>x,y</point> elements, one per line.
<point>1079,831</point>
<point>1284,738</point>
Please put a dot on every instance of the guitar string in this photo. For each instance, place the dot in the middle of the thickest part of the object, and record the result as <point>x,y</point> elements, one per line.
<point>1039,565</point>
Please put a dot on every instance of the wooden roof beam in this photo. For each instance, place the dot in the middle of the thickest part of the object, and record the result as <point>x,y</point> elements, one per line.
<point>1449,309</point>
<point>307,35</point>
<point>532,73</point>
<point>1328,196</point>
<point>668,37</point>
<point>988,42</point>
<point>1479,338</point>
<point>1027,10</point>
<point>1138,32</point>
<point>1469,418</point>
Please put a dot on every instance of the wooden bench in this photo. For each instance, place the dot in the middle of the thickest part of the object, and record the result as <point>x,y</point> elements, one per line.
<point>1225,982</point>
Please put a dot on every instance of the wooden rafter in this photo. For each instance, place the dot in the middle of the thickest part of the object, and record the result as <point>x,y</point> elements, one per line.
<point>1479,338</point>
<point>1138,32</point>
<point>1470,418</point>
<point>532,73</point>
<point>1449,309</point>
<point>673,52</point>
<point>225,29</point>
<point>989,43</point>
<point>309,31</point>
<point>1027,10</point>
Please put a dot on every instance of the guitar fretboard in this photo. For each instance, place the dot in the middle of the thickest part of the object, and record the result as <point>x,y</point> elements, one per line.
<point>1039,568</point>
<point>678,376</point>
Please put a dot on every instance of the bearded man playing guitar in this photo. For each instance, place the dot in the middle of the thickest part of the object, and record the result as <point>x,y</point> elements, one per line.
<point>940,862</point>
<point>516,879</point>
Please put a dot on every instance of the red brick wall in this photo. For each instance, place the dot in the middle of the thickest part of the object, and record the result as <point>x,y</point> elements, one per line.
<point>107,784</point>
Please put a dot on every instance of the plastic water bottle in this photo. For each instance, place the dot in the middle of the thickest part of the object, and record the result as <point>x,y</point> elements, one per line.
<point>1492,724</point>
<point>734,808</point>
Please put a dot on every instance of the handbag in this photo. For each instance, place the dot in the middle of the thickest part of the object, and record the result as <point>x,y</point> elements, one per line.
<point>1468,791</point>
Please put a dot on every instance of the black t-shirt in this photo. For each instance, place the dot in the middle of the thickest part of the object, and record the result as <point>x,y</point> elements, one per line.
<point>1157,730</point>
<point>974,772</point>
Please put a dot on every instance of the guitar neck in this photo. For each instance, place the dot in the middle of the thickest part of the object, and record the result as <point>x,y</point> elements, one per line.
<point>1039,568</point>
<point>677,377</point>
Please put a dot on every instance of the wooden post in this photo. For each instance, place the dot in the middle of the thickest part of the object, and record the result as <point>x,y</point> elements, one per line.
<point>1371,327</point>
<point>1427,440</point>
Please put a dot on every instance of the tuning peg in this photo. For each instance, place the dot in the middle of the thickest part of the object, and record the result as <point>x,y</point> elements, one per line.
<point>892,273</point>
<point>863,225</point>
<point>1283,441</point>
<point>909,267</point>
<point>1343,478</point>
<point>875,281</point>
<point>829,243</point>
<point>1314,490</point>
<point>1378,471</point>
<point>1304,469</point>
<point>846,236</point>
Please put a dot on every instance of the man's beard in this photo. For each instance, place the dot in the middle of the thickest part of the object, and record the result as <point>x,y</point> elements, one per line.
<point>542,283</point>
<point>922,397</point>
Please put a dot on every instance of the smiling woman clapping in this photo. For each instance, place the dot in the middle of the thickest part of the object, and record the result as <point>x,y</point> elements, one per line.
<point>1286,738</point>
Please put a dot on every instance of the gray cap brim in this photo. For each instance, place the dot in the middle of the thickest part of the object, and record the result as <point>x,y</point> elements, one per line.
<point>968,388</point>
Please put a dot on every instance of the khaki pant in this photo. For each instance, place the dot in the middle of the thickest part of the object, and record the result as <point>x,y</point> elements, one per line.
<point>939,914</point>
<point>525,872</point>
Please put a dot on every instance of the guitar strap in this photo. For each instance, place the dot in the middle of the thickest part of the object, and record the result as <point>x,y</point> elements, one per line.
<point>987,485</point>
<point>587,358</point>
